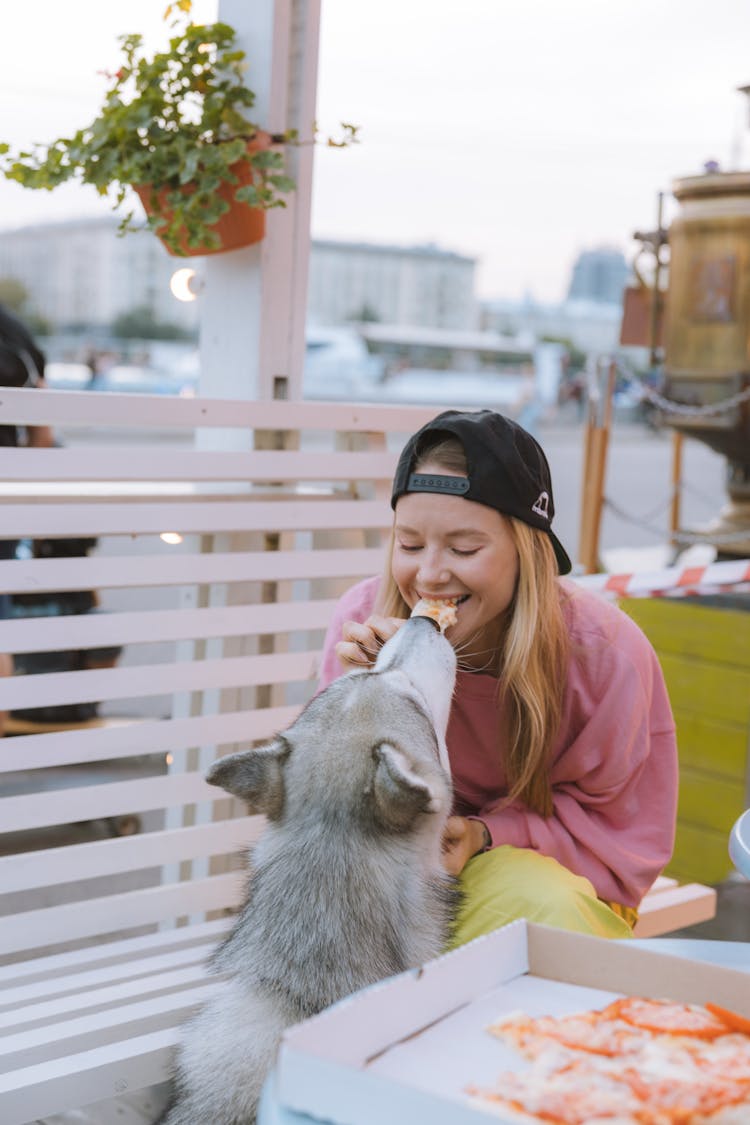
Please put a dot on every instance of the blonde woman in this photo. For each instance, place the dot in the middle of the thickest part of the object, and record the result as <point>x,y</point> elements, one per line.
<point>561,738</point>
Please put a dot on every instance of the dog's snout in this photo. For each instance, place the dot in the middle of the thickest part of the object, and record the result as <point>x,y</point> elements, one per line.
<point>429,620</point>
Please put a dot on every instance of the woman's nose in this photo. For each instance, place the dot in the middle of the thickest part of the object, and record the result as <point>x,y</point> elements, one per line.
<point>432,570</point>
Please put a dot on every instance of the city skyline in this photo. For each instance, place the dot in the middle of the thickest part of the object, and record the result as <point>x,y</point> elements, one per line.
<point>520,134</point>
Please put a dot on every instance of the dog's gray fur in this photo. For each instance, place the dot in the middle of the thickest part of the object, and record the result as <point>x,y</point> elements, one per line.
<point>347,884</point>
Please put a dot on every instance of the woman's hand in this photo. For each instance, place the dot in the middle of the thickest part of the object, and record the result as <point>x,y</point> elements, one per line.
<point>361,642</point>
<point>462,839</point>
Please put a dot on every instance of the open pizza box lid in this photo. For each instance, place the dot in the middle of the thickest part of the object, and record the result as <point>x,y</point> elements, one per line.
<point>403,1051</point>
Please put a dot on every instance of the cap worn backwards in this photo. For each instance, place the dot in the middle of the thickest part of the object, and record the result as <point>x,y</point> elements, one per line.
<point>507,469</point>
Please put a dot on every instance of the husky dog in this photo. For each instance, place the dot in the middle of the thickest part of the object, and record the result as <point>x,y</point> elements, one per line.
<point>347,884</point>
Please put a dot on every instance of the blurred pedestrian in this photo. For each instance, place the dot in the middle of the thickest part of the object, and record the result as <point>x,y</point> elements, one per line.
<point>21,365</point>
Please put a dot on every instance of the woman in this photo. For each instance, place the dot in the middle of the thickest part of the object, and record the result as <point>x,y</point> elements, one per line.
<point>561,739</point>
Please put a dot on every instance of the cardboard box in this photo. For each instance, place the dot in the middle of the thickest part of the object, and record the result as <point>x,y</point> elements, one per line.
<point>403,1051</point>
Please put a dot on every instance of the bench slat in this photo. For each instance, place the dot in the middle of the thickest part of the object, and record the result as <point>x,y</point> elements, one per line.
<point>104,1072</point>
<point>119,913</point>
<point>91,1000</point>
<point>675,907</point>
<point>60,967</point>
<point>124,463</point>
<point>28,521</point>
<point>50,866</point>
<point>17,692</point>
<point>133,739</point>
<point>116,798</point>
<point>662,883</point>
<point>148,626</point>
<point>134,970</point>
<point>99,572</point>
<point>140,411</point>
<point>61,1037</point>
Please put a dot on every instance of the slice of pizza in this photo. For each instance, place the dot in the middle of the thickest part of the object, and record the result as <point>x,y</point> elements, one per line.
<point>640,1061</point>
<point>666,1017</point>
<point>577,1093</point>
<point>441,610</point>
<point>686,1099</point>
<point>586,1031</point>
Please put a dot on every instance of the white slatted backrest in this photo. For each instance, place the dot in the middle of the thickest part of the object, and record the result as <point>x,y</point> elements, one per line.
<point>220,633</point>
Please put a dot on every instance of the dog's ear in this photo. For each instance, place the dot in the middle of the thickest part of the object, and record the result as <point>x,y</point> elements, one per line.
<point>256,776</point>
<point>400,793</point>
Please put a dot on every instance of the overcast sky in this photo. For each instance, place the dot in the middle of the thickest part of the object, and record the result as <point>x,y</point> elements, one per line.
<point>516,131</point>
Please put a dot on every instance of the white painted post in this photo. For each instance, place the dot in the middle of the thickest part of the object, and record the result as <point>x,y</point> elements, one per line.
<point>255,300</point>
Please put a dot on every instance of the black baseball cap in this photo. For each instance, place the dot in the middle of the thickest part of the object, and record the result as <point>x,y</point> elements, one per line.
<point>507,469</point>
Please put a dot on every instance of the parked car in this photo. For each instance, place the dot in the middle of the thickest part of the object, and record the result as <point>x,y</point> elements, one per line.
<point>123,378</point>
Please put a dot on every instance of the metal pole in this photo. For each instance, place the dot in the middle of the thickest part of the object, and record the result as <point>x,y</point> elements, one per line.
<point>655,311</point>
<point>674,509</point>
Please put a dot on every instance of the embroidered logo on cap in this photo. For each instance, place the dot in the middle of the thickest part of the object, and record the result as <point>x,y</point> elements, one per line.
<point>541,505</point>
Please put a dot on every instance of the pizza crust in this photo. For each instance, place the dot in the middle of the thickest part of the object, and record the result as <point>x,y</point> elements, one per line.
<point>441,611</point>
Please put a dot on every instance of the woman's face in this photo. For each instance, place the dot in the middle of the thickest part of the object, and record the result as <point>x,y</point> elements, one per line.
<point>449,547</point>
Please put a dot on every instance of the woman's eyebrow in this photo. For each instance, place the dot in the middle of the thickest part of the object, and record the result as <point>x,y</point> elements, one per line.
<point>476,532</point>
<point>402,529</point>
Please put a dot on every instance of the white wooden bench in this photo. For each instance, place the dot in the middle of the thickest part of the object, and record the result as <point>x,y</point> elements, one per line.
<point>670,905</point>
<point>103,941</point>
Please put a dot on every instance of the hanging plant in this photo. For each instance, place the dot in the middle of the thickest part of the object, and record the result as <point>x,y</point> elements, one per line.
<point>176,126</point>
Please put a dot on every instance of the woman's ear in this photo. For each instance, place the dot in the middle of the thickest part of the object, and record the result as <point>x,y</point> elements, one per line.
<point>256,776</point>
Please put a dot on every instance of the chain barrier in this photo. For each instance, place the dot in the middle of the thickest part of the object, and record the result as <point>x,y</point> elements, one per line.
<point>679,536</point>
<point>638,521</point>
<point>687,538</point>
<point>715,539</point>
<point>687,488</point>
<point>669,406</point>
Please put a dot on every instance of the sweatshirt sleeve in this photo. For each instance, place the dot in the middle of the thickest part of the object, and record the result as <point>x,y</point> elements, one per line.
<point>615,781</point>
<point>355,605</point>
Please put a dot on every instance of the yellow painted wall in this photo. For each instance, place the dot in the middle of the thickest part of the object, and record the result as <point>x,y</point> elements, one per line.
<point>705,654</point>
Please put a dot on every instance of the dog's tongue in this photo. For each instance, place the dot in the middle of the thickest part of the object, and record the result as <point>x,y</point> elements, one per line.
<point>441,612</point>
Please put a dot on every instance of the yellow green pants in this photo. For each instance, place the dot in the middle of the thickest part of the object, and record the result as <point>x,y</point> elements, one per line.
<point>506,883</point>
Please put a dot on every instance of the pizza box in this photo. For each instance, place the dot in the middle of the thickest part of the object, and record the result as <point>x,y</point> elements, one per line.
<point>404,1050</point>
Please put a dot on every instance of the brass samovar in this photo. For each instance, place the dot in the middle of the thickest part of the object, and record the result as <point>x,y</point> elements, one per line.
<point>707,336</point>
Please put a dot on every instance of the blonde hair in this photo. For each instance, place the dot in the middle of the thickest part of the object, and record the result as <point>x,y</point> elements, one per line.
<point>534,654</point>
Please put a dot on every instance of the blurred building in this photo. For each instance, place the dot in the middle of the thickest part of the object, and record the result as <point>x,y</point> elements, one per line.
<point>600,276</point>
<point>588,325</point>
<point>79,273</point>
<point>589,317</point>
<point>422,286</point>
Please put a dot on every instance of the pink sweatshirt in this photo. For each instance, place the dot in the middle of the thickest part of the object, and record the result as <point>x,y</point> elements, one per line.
<point>614,762</point>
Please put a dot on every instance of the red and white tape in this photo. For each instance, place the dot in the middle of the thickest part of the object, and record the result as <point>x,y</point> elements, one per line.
<point>673,580</point>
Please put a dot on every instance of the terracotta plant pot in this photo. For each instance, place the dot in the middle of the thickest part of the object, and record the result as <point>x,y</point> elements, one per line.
<point>240,226</point>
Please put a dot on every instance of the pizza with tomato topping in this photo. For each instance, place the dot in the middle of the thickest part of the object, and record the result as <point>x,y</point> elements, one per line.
<point>634,1062</point>
<point>441,610</point>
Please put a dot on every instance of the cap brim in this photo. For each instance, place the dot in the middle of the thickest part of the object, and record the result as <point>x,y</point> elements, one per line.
<point>564,565</point>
